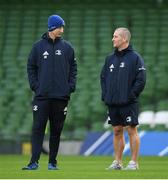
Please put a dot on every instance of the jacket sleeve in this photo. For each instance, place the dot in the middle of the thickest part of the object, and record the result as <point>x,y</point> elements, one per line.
<point>140,79</point>
<point>32,70</point>
<point>72,72</point>
<point>102,82</point>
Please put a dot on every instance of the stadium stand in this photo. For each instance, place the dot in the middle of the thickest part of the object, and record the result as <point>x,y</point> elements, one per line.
<point>89,27</point>
<point>147,118</point>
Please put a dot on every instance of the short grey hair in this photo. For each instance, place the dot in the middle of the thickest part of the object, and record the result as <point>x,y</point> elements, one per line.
<point>125,33</point>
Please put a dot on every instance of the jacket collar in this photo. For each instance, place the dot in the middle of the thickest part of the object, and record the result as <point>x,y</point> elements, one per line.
<point>47,37</point>
<point>124,51</point>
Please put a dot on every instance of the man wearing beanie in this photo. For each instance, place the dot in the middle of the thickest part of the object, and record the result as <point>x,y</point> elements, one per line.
<point>52,71</point>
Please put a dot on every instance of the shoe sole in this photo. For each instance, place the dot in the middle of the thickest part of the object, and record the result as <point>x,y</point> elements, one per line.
<point>110,169</point>
<point>126,169</point>
<point>29,169</point>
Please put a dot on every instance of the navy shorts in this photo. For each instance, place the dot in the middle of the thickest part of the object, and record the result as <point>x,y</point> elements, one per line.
<point>124,115</point>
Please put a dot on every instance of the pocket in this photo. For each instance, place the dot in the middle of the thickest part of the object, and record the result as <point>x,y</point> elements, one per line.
<point>36,87</point>
<point>132,97</point>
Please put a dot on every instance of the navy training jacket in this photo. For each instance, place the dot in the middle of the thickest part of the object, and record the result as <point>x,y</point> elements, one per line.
<point>52,68</point>
<point>123,77</point>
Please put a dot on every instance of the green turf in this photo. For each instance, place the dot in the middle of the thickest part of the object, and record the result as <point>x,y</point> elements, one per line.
<point>79,167</point>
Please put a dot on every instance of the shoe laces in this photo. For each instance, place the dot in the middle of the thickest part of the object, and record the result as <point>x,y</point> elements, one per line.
<point>52,164</point>
<point>32,164</point>
<point>132,165</point>
<point>115,165</point>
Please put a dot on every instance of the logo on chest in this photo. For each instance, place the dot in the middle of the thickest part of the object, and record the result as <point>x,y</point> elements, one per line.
<point>111,67</point>
<point>122,64</point>
<point>58,52</point>
<point>45,54</point>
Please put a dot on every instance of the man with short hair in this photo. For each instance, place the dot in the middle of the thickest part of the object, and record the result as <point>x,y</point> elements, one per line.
<point>123,78</point>
<point>52,74</point>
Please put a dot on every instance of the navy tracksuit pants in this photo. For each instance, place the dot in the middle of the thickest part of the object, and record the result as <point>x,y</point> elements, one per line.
<point>55,111</point>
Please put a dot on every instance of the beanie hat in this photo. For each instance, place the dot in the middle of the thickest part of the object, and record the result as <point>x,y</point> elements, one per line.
<point>55,21</point>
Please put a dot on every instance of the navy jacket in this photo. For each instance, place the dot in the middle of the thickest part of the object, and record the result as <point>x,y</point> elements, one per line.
<point>52,68</point>
<point>123,77</point>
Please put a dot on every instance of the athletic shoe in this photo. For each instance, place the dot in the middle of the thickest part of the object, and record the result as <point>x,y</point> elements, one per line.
<point>115,166</point>
<point>52,166</point>
<point>132,165</point>
<point>31,166</point>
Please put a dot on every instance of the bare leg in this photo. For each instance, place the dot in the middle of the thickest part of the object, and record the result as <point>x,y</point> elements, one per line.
<point>134,142</point>
<point>119,142</point>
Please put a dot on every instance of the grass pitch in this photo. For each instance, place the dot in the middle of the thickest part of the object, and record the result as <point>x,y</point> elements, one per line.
<point>80,167</point>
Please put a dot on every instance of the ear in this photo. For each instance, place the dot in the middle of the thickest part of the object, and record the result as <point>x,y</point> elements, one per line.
<point>125,40</point>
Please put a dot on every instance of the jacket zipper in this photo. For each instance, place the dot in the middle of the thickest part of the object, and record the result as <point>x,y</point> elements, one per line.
<point>53,68</point>
<point>118,80</point>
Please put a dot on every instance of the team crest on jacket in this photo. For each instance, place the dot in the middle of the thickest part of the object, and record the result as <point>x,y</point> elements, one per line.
<point>122,64</point>
<point>58,52</point>
<point>45,54</point>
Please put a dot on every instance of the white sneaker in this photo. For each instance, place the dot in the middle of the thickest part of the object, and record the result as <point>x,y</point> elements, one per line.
<point>115,166</point>
<point>132,165</point>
